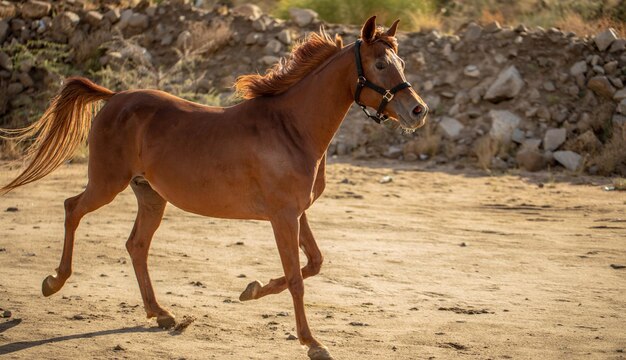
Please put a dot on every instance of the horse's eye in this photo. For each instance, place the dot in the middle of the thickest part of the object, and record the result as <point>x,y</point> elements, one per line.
<point>380,65</point>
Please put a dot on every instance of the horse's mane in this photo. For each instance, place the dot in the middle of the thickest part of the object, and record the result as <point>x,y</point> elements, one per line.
<point>306,55</point>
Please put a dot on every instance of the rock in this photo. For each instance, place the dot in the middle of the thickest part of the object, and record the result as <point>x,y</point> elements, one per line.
<point>531,144</point>
<point>619,121</point>
<point>393,152</point>
<point>14,89</point>
<point>604,39</point>
<point>5,61</point>
<point>252,38</point>
<point>618,45</point>
<point>451,127</point>
<point>4,29</point>
<point>503,124</point>
<point>21,100</point>
<point>518,136</point>
<point>139,21</point>
<point>610,67</point>
<point>34,9</point>
<point>66,22</point>
<point>471,71</point>
<point>268,60</point>
<point>554,138</point>
<point>579,68</point>
<point>284,36</point>
<point>302,17</point>
<point>7,314</point>
<point>291,337</point>
<point>472,32</point>
<point>249,11</point>
<point>259,25</point>
<point>618,96</point>
<point>113,15</point>
<point>569,159</point>
<point>507,85</point>
<point>26,80</point>
<point>125,18</point>
<point>617,82</point>
<point>530,160</point>
<point>621,107</point>
<point>549,86</point>
<point>93,18</point>
<point>493,27</point>
<point>601,86</point>
<point>273,47</point>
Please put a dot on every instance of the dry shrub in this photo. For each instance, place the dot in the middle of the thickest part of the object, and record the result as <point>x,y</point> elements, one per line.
<point>425,21</point>
<point>488,16</point>
<point>612,156</point>
<point>429,140</point>
<point>485,148</point>
<point>206,38</point>
<point>10,150</point>
<point>86,46</point>
<point>574,22</point>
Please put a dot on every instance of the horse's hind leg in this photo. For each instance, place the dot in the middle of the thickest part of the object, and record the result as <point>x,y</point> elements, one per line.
<point>256,290</point>
<point>149,215</point>
<point>96,195</point>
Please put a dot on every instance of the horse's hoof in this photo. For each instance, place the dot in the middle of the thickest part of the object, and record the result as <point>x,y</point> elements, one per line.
<point>166,321</point>
<point>47,286</point>
<point>319,353</point>
<point>251,290</point>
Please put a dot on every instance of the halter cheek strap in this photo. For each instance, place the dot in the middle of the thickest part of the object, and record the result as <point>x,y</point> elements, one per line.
<point>363,82</point>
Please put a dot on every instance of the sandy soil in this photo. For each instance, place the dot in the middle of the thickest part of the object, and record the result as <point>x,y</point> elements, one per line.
<point>436,264</point>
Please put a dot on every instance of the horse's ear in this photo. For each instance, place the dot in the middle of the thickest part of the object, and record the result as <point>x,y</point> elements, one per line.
<point>369,29</point>
<point>392,30</point>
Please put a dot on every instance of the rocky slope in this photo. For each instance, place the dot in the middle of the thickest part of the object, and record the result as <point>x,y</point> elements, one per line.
<point>501,97</point>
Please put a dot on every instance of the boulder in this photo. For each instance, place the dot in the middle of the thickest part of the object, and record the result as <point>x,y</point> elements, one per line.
<point>604,39</point>
<point>601,86</point>
<point>14,89</point>
<point>284,36</point>
<point>249,11</point>
<point>34,9</point>
<point>621,107</point>
<point>5,61</point>
<point>618,45</point>
<point>4,29</point>
<point>269,60</point>
<point>472,32</point>
<point>579,68</point>
<point>93,18</point>
<point>620,95</point>
<point>471,71</point>
<point>554,138</point>
<point>302,17</point>
<point>273,47</point>
<point>66,22</point>
<point>139,21</point>
<point>530,160</point>
<point>503,123</point>
<point>569,159</point>
<point>507,85</point>
<point>113,15</point>
<point>451,127</point>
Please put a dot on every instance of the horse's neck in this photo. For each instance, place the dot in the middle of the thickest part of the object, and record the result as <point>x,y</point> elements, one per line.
<point>319,103</point>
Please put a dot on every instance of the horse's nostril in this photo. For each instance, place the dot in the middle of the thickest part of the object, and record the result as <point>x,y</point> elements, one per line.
<point>418,109</point>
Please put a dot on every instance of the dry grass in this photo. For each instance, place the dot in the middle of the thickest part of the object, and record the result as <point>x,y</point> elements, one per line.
<point>612,155</point>
<point>485,148</point>
<point>10,150</point>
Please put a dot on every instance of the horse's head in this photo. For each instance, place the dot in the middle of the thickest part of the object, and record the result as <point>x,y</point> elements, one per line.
<point>381,83</point>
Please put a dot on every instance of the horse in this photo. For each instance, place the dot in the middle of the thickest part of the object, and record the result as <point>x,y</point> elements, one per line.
<point>262,159</point>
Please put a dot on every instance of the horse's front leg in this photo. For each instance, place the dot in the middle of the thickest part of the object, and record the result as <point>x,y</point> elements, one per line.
<point>286,228</point>
<point>256,290</point>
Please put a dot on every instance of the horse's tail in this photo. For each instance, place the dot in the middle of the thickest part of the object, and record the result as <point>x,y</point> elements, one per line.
<point>63,127</point>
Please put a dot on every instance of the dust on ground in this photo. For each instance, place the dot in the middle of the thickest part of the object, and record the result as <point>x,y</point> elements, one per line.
<point>430,265</point>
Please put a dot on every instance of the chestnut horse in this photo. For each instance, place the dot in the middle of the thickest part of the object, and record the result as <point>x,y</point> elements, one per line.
<point>262,159</point>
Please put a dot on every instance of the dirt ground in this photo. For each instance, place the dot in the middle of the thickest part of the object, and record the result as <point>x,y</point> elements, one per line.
<point>436,264</point>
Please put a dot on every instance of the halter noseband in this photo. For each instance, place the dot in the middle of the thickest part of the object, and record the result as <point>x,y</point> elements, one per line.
<point>363,82</point>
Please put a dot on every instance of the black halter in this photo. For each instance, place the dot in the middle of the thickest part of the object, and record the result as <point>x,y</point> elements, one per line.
<point>363,82</point>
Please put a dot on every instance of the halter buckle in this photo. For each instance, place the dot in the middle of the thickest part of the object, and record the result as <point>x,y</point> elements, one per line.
<point>388,96</point>
<point>361,80</point>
